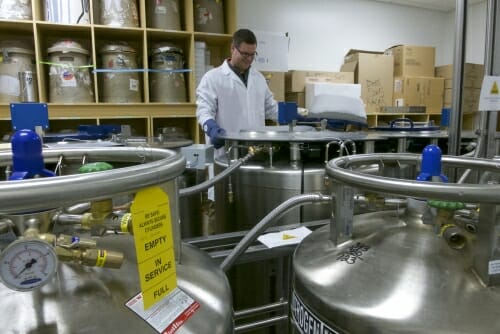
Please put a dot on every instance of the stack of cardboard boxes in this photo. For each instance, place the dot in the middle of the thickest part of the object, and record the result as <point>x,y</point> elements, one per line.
<point>414,80</point>
<point>472,81</point>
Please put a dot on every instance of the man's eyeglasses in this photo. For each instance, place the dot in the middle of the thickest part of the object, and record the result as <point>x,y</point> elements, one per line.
<point>246,54</point>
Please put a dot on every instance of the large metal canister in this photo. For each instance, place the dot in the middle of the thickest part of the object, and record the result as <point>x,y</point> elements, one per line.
<point>118,13</point>
<point>209,16</point>
<point>167,85</point>
<point>17,67</point>
<point>15,9</point>
<point>83,299</point>
<point>399,271</point>
<point>70,80</point>
<point>67,11</point>
<point>164,14</point>
<point>120,85</point>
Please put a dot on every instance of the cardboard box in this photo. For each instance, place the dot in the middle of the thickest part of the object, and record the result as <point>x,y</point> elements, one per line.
<point>413,61</point>
<point>374,71</point>
<point>469,95</point>
<point>295,80</point>
<point>299,98</point>
<point>276,83</point>
<point>473,75</point>
<point>419,91</point>
<point>314,89</point>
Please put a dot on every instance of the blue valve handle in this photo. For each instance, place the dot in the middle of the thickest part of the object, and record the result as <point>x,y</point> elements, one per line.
<point>431,164</point>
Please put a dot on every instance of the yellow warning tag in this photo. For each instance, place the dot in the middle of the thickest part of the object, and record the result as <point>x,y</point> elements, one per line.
<point>288,236</point>
<point>494,88</point>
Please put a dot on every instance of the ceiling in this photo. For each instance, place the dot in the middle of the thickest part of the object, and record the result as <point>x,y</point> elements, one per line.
<point>440,5</point>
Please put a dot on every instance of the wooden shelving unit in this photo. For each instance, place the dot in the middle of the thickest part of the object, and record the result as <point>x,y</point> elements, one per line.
<point>144,117</point>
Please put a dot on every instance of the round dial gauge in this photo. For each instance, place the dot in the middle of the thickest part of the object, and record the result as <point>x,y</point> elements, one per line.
<point>27,264</point>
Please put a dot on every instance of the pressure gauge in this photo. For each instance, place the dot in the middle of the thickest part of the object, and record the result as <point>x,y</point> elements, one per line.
<point>27,264</point>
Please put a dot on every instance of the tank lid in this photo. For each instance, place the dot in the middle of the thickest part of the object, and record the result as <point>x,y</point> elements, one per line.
<point>165,47</point>
<point>16,46</point>
<point>117,48</point>
<point>67,46</point>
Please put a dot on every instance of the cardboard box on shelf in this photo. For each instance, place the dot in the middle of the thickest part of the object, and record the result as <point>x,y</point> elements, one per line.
<point>473,75</point>
<point>413,61</point>
<point>299,98</point>
<point>374,71</point>
<point>276,83</point>
<point>469,95</point>
<point>295,80</point>
<point>419,91</point>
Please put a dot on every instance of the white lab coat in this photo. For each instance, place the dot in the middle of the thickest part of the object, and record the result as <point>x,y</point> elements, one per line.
<point>222,96</point>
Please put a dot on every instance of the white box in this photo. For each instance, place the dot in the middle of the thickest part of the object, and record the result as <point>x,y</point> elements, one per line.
<point>329,88</point>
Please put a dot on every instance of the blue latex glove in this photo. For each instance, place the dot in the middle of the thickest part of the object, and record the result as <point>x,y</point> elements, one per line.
<point>214,131</point>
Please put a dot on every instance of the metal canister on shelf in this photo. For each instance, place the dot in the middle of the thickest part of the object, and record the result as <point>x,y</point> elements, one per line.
<point>27,86</point>
<point>118,13</point>
<point>164,14</point>
<point>69,74</point>
<point>209,16</point>
<point>15,57</point>
<point>15,9</point>
<point>67,11</point>
<point>120,85</point>
<point>167,85</point>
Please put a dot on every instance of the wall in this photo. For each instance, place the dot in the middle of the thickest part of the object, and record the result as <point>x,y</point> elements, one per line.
<point>322,31</point>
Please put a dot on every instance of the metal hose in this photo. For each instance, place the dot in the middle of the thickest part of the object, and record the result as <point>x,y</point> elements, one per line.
<point>268,221</point>
<point>226,172</point>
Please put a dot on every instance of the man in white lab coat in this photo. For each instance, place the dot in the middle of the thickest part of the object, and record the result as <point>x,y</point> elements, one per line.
<point>234,96</point>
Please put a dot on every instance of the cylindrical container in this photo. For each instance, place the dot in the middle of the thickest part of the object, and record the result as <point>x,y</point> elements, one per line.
<point>16,57</point>
<point>167,86</point>
<point>164,14</point>
<point>15,9</point>
<point>209,16</point>
<point>119,13</point>
<point>120,85</point>
<point>28,87</point>
<point>70,81</point>
<point>67,11</point>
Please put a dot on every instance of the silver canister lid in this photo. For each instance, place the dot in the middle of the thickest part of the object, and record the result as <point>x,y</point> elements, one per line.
<point>165,48</point>
<point>67,46</point>
<point>117,48</point>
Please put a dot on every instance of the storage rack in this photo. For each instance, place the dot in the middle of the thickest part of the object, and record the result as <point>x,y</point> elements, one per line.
<point>144,117</point>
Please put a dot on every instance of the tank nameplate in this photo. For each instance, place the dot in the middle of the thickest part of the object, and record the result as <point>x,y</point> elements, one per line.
<point>354,253</point>
<point>305,321</point>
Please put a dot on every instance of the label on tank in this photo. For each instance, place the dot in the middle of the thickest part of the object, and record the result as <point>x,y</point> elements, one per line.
<point>305,321</point>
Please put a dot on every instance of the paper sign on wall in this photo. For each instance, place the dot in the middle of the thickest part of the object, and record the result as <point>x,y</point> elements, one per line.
<point>490,94</point>
<point>272,49</point>
<point>154,244</point>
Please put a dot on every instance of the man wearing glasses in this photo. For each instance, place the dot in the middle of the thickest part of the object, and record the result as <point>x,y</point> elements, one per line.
<point>234,96</point>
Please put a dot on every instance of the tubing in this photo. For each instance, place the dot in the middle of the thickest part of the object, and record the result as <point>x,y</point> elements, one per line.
<point>225,173</point>
<point>268,221</point>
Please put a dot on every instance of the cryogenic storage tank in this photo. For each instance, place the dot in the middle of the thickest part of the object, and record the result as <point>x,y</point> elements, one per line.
<point>64,237</point>
<point>428,269</point>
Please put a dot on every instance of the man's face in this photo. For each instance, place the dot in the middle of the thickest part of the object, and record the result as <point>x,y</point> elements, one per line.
<point>243,55</point>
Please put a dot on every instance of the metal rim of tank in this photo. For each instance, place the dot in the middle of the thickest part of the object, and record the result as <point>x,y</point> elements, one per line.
<point>342,170</point>
<point>154,167</point>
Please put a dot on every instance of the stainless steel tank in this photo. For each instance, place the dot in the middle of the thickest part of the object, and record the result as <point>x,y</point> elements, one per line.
<point>164,14</point>
<point>400,271</point>
<point>15,9</point>
<point>118,13</point>
<point>167,82</point>
<point>17,60</point>
<point>84,299</point>
<point>70,80</point>
<point>209,16</point>
<point>122,84</point>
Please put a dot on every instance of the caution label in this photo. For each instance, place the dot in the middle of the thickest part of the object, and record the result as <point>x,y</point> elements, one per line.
<point>489,100</point>
<point>154,246</point>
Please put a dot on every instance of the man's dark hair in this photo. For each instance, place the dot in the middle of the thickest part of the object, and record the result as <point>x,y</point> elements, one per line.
<point>244,36</point>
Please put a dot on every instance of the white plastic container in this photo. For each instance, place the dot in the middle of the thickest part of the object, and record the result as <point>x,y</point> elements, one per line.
<point>120,87</point>
<point>15,9</point>
<point>15,57</point>
<point>164,14</point>
<point>67,11</point>
<point>167,86</point>
<point>70,80</point>
<point>119,13</point>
